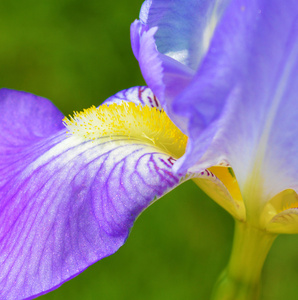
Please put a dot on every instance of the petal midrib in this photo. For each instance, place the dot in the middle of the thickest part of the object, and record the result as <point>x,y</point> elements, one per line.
<point>253,186</point>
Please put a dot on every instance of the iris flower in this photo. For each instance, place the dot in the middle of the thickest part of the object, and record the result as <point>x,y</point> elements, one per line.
<point>220,109</point>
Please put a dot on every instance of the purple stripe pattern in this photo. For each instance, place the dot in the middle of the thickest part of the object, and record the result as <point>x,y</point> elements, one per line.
<point>138,95</point>
<point>66,203</point>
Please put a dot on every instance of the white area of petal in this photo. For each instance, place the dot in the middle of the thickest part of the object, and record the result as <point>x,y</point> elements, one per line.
<point>181,56</point>
<point>138,95</point>
<point>210,26</point>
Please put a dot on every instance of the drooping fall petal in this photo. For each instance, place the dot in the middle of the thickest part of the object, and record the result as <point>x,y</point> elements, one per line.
<point>66,202</point>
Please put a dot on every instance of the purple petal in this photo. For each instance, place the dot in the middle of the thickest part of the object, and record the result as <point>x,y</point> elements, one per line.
<point>26,119</point>
<point>66,203</point>
<point>24,122</point>
<point>242,104</point>
<point>145,51</point>
<point>184,29</point>
<point>169,42</point>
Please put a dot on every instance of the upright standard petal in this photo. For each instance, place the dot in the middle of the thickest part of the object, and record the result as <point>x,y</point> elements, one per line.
<point>66,201</point>
<point>244,98</point>
<point>183,31</point>
<point>170,41</point>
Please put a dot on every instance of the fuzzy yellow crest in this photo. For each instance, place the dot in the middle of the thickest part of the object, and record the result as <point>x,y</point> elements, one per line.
<point>131,121</point>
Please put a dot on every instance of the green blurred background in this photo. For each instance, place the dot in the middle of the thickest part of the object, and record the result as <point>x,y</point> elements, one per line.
<point>77,53</point>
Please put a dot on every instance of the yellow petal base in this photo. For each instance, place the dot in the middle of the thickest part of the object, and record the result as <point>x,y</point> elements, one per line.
<point>221,185</point>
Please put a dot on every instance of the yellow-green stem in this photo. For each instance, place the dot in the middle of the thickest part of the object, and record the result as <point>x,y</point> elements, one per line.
<point>241,278</point>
